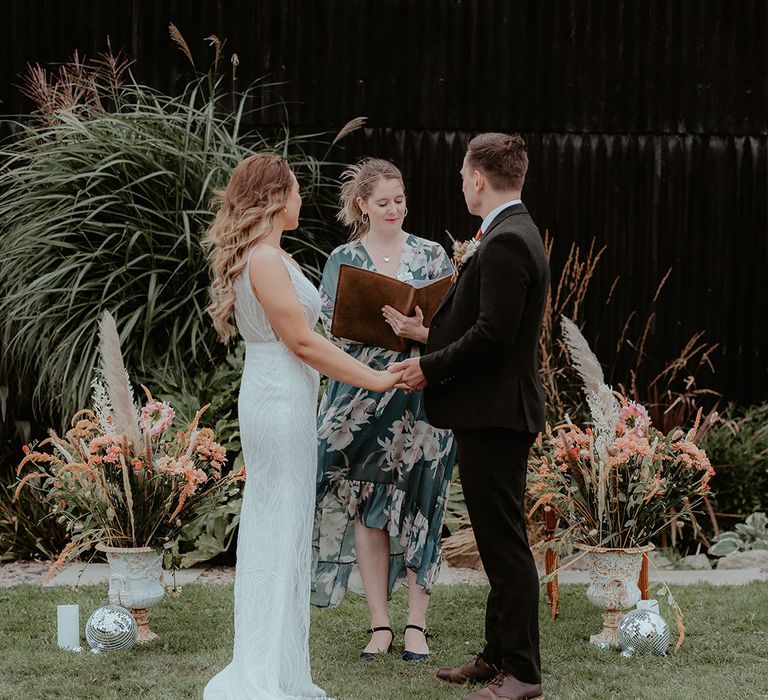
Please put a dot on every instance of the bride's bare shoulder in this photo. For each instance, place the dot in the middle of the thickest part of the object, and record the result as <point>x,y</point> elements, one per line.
<point>265,268</point>
<point>262,254</point>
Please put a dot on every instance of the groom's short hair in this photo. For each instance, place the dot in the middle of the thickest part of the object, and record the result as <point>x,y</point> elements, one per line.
<point>502,158</point>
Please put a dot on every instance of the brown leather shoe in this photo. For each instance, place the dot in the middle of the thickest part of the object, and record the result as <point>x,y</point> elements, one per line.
<point>506,687</point>
<point>475,671</point>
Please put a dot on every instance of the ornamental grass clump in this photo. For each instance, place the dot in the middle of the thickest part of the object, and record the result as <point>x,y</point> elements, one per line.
<point>121,475</point>
<point>104,197</point>
<point>619,481</point>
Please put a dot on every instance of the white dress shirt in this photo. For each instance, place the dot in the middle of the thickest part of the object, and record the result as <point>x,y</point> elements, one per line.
<point>492,215</point>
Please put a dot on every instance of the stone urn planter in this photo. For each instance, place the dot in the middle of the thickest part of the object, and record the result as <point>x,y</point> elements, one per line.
<point>613,575</point>
<point>135,582</point>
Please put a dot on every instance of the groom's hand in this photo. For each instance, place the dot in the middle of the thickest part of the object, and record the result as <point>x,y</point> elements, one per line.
<point>413,378</point>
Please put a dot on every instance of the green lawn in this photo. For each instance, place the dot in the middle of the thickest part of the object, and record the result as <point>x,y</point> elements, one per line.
<point>725,654</point>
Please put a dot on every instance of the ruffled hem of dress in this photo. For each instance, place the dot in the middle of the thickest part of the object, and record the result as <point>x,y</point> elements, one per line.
<point>370,500</point>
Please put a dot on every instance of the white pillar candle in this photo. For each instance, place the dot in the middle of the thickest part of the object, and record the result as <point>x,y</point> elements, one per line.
<point>68,626</point>
<point>648,605</point>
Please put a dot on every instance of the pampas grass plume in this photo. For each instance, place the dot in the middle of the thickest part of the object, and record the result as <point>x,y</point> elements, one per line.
<point>582,357</point>
<point>125,416</point>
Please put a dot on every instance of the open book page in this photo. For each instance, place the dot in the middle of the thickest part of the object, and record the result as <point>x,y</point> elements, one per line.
<point>429,294</point>
<point>418,284</point>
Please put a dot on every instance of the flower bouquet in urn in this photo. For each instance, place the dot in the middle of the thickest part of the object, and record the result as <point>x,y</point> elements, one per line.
<point>619,481</point>
<point>124,475</point>
<point>615,483</point>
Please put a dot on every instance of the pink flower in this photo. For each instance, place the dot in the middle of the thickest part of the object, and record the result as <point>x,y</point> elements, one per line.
<point>171,465</point>
<point>631,445</point>
<point>113,454</point>
<point>633,418</point>
<point>156,417</point>
<point>193,477</point>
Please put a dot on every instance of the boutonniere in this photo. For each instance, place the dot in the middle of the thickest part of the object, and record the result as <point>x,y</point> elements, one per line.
<point>462,252</point>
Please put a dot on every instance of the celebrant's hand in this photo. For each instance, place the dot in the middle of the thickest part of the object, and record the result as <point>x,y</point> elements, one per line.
<point>413,378</point>
<point>411,327</point>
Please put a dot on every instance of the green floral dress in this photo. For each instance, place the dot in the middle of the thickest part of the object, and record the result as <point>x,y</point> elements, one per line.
<point>377,454</point>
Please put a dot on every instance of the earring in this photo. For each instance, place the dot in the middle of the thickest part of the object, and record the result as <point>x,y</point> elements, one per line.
<point>285,209</point>
<point>405,213</point>
<point>365,217</point>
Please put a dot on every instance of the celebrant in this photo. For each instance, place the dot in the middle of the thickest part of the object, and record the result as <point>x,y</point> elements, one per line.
<point>383,470</point>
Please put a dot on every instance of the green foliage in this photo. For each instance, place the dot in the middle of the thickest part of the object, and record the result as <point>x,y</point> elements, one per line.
<point>737,445</point>
<point>211,535</point>
<point>217,385</point>
<point>752,534</point>
<point>102,206</point>
<point>214,533</point>
<point>27,528</point>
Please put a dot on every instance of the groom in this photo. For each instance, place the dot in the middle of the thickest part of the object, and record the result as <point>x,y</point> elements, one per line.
<point>480,377</point>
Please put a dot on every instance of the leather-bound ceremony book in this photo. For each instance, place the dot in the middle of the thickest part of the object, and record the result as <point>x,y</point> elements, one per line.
<point>361,294</point>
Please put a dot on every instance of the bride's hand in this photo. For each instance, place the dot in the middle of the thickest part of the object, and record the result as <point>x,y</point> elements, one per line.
<point>385,380</point>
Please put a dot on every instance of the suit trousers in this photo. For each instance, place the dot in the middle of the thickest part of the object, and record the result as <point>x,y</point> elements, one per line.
<point>492,467</point>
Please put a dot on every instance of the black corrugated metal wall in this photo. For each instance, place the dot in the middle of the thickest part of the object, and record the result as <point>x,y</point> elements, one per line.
<point>647,124</point>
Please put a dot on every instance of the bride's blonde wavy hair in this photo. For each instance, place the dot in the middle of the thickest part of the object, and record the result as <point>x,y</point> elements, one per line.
<point>247,207</point>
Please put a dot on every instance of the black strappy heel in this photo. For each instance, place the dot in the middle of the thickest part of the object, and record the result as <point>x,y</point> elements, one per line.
<point>370,655</point>
<point>412,655</point>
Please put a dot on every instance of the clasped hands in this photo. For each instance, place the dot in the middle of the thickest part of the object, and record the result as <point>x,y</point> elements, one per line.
<point>411,376</point>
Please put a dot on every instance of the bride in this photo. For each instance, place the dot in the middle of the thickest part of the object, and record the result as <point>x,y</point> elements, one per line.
<point>275,308</point>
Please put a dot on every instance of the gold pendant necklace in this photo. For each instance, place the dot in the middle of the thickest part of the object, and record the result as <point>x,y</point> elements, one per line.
<point>387,258</point>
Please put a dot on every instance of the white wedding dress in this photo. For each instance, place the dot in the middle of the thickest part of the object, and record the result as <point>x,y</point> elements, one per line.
<point>277,412</point>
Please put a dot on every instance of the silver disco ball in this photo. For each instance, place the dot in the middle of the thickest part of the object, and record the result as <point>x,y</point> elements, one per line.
<point>111,627</point>
<point>643,632</point>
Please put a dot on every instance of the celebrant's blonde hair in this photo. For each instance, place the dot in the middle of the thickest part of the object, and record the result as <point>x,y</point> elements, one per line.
<point>255,195</point>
